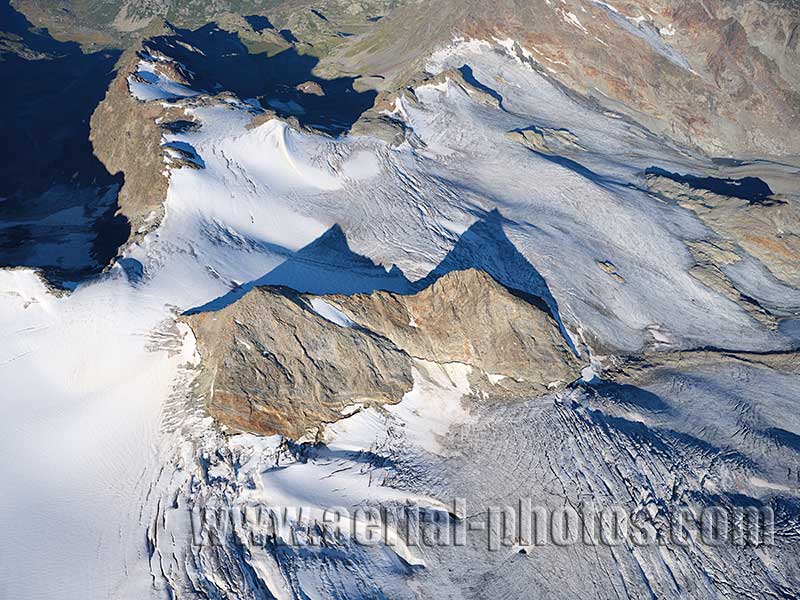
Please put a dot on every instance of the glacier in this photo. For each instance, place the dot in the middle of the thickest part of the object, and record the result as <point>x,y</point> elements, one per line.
<point>107,449</point>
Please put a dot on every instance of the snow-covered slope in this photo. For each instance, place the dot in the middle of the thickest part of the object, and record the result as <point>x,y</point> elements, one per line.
<point>107,448</point>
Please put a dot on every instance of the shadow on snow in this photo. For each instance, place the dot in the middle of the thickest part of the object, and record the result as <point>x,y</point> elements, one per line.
<point>220,61</point>
<point>329,266</point>
<point>57,200</point>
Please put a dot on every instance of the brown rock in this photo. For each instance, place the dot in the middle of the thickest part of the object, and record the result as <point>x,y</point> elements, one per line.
<point>127,139</point>
<point>467,317</point>
<point>271,364</point>
<point>310,87</point>
<point>721,76</point>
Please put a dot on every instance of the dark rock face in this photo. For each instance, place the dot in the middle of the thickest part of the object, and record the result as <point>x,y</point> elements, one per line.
<point>57,200</point>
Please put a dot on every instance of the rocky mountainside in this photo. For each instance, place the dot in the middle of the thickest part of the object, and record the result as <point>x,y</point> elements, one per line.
<point>467,317</point>
<point>718,76</point>
<point>764,224</point>
<point>276,361</point>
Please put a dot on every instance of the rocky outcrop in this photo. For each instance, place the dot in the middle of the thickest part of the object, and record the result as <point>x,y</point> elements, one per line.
<point>767,229</point>
<point>721,76</point>
<point>463,79</point>
<point>546,140</point>
<point>467,317</point>
<point>279,362</point>
<point>127,139</point>
<point>310,87</point>
<point>710,259</point>
<point>271,364</point>
<point>608,267</point>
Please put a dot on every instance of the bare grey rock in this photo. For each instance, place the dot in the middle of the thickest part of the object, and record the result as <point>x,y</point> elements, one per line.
<point>546,139</point>
<point>710,259</point>
<point>767,230</point>
<point>609,267</point>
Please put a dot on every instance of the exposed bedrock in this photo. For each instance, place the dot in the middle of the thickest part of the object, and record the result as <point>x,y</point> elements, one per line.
<point>276,361</point>
<point>767,226</point>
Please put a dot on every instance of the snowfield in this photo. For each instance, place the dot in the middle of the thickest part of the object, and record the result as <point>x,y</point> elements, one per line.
<point>105,449</point>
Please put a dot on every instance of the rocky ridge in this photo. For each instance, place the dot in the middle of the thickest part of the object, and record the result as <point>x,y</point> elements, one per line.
<point>768,228</point>
<point>721,79</point>
<point>713,76</point>
<point>276,361</point>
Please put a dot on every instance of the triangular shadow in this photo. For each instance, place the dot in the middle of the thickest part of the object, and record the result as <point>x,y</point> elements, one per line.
<point>485,246</point>
<point>325,266</point>
<point>329,266</point>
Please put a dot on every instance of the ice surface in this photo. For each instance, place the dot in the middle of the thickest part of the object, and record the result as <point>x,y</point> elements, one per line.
<point>84,390</point>
<point>642,28</point>
<point>331,313</point>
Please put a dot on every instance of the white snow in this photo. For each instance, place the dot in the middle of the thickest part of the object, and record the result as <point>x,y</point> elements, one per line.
<point>570,18</point>
<point>588,374</point>
<point>642,27</point>
<point>153,85</point>
<point>331,313</point>
<point>495,378</point>
<point>84,387</point>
